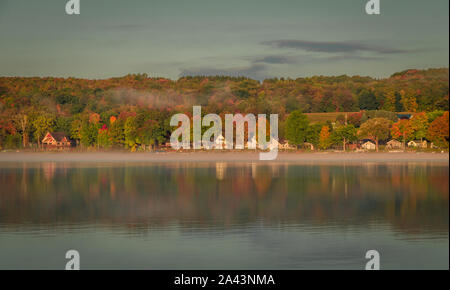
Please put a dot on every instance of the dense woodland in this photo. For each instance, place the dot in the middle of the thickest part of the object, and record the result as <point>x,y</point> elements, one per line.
<point>133,111</point>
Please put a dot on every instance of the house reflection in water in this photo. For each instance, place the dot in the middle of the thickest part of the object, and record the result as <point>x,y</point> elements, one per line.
<point>409,197</point>
<point>221,168</point>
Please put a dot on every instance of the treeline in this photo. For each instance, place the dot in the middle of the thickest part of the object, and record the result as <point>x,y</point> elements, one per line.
<point>134,111</point>
<point>377,126</point>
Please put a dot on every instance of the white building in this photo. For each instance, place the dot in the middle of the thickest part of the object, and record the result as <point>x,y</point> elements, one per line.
<point>369,146</point>
<point>417,144</point>
<point>394,144</point>
<point>273,144</point>
<point>219,142</point>
<point>252,143</point>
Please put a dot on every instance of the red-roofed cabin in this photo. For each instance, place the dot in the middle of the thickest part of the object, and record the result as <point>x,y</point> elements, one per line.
<point>56,140</point>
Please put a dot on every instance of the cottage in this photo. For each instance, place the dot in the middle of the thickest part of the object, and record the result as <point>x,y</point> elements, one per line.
<point>368,146</point>
<point>394,144</point>
<point>413,144</point>
<point>273,144</point>
<point>308,145</point>
<point>252,143</point>
<point>286,146</point>
<point>56,140</point>
<point>417,144</point>
<point>219,142</point>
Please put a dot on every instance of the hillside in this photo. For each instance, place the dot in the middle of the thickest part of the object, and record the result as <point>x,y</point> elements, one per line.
<point>72,105</point>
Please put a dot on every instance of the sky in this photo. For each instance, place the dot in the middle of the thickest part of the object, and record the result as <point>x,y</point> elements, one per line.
<point>253,38</point>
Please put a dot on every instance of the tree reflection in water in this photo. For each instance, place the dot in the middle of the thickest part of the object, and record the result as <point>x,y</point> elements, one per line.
<point>412,198</point>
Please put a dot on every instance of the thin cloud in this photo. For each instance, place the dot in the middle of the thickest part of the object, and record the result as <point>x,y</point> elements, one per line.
<point>275,59</point>
<point>331,47</point>
<point>259,67</point>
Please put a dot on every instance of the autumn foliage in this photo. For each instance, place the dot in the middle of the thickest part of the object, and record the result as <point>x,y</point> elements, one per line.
<point>402,130</point>
<point>438,131</point>
<point>136,108</point>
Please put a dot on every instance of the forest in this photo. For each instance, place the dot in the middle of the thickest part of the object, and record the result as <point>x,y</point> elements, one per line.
<point>134,111</point>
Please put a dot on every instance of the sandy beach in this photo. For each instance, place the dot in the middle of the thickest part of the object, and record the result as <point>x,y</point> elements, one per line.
<point>319,157</point>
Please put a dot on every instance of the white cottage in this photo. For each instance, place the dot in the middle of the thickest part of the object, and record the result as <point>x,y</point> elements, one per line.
<point>273,144</point>
<point>219,142</point>
<point>417,144</point>
<point>369,146</point>
<point>394,144</point>
<point>252,143</point>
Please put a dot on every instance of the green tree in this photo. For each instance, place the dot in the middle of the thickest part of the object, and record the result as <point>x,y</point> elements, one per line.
<point>116,132</point>
<point>313,134</point>
<point>103,138</point>
<point>419,123</point>
<point>22,121</point>
<point>345,134</point>
<point>434,115</point>
<point>376,129</point>
<point>42,124</point>
<point>368,100</point>
<point>130,133</point>
<point>62,124</point>
<point>89,134</point>
<point>296,128</point>
<point>409,102</point>
<point>398,102</point>
<point>75,128</point>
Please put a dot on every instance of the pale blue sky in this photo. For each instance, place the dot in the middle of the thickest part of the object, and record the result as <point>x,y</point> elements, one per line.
<point>256,38</point>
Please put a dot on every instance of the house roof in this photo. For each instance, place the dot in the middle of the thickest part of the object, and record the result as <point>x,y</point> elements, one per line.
<point>404,116</point>
<point>59,136</point>
<point>416,141</point>
<point>368,142</point>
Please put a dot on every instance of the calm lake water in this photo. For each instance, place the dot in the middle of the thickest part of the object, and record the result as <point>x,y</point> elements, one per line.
<point>224,215</point>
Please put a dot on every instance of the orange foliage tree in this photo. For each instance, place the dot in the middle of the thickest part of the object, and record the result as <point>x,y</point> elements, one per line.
<point>438,131</point>
<point>325,138</point>
<point>402,130</point>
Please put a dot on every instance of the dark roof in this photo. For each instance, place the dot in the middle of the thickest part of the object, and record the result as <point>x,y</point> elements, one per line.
<point>404,116</point>
<point>59,136</point>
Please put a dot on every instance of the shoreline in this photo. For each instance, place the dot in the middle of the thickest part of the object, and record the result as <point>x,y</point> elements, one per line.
<point>290,157</point>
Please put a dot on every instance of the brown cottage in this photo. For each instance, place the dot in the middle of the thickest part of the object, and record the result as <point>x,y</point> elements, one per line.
<point>56,140</point>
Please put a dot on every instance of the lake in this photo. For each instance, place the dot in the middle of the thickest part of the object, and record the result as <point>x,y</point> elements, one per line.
<point>219,215</point>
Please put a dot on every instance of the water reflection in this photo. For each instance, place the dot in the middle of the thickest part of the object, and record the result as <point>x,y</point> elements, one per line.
<point>411,198</point>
